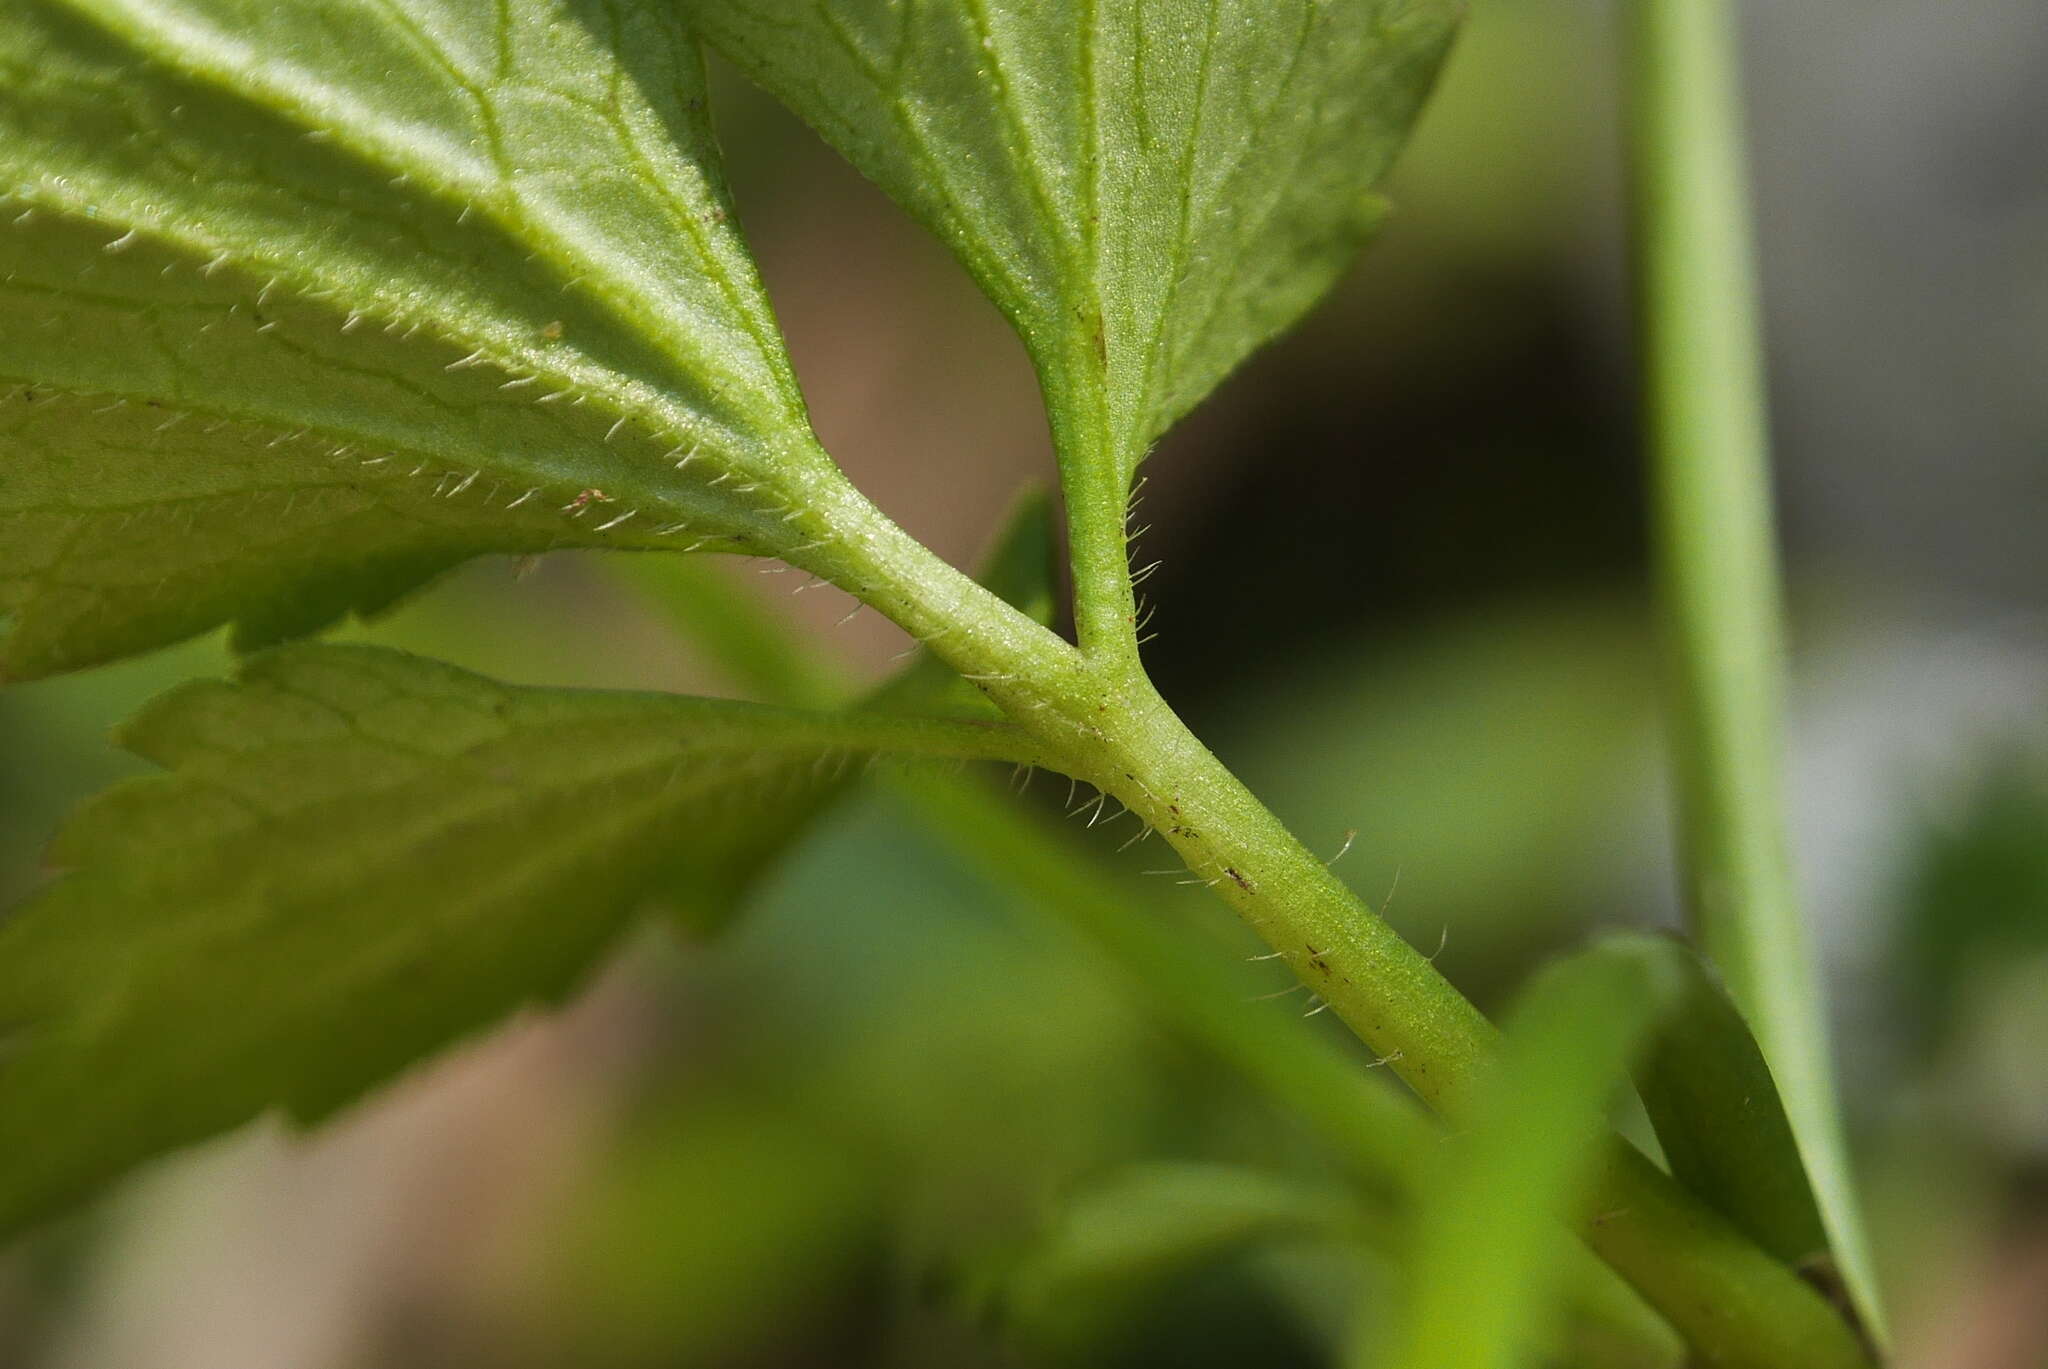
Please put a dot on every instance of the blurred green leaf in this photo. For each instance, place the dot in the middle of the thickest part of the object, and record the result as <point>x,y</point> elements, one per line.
<point>1115,1243</point>
<point>744,642</point>
<point>1147,192</point>
<point>1976,889</point>
<point>705,1236</point>
<point>1022,564</point>
<point>358,856</point>
<point>308,302</point>
<point>1377,1133</point>
<point>761,653</point>
<point>1373,1131</point>
<point>1489,1246</point>
<point>1485,1265</point>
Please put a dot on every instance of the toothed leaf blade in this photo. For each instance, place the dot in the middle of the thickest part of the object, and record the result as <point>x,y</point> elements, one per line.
<point>356,857</point>
<point>1115,1245</point>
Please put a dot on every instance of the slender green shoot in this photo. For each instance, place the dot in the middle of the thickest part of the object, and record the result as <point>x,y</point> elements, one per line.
<point>1712,513</point>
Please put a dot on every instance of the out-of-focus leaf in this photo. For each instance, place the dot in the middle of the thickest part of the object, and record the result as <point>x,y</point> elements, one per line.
<point>1485,1263</point>
<point>705,1236</point>
<point>1384,1141</point>
<point>1116,1242</point>
<point>357,857</point>
<point>1377,1133</point>
<point>305,303</point>
<point>1488,1249</point>
<point>1147,191</point>
<point>1977,890</point>
<point>1022,565</point>
<point>748,646</point>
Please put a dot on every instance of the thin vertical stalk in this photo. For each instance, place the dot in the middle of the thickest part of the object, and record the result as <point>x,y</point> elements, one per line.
<point>1717,560</point>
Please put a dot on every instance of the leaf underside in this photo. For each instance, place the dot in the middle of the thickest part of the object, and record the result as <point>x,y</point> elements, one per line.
<point>1147,191</point>
<point>300,304</point>
<point>358,856</point>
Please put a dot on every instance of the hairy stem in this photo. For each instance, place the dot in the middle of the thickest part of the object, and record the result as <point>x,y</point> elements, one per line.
<point>1102,721</point>
<point>1098,551</point>
<point>1735,1305</point>
<point>1718,566</point>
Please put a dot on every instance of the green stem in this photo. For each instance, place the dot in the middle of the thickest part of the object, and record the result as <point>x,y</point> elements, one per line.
<point>1717,561</point>
<point>1098,551</point>
<point>1387,1142</point>
<point>1734,1304</point>
<point>1103,722</point>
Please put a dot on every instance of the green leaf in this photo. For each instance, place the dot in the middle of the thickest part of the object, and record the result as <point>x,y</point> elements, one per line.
<point>1377,1133</point>
<point>1148,191</point>
<point>1721,1122</point>
<point>697,1235</point>
<point>1379,1136</point>
<point>1115,1244</point>
<point>357,857</point>
<point>1486,1258</point>
<point>307,302</point>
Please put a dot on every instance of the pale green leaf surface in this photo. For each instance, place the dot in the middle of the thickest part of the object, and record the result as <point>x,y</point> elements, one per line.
<point>299,303</point>
<point>358,856</point>
<point>1148,191</point>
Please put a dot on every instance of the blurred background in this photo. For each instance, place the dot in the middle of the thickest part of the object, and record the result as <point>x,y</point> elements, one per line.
<point>898,1116</point>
